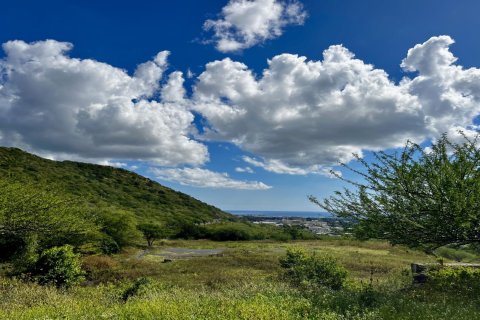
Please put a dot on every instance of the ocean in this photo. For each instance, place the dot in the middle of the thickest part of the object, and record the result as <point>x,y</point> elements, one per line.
<point>281,214</point>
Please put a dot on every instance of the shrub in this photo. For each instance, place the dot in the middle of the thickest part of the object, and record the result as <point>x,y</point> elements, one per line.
<point>368,297</point>
<point>59,266</point>
<point>108,245</point>
<point>100,268</point>
<point>230,232</point>
<point>236,231</point>
<point>298,233</point>
<point>313,270</point>
<point>140,285</point>
<point>461,278</point>
<point>457,254</point>
<point>187,230</point>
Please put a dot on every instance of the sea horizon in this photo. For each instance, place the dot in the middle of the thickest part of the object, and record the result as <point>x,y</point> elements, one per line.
<point>280,214</point>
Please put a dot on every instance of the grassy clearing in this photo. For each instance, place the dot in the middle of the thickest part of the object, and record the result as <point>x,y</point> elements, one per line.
<point>244,283</point>
<point>260,259</point>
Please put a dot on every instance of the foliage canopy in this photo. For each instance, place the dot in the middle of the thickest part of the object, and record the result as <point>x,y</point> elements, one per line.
<point>107,188</point>
<point>425,198</point>
<point>27,212</point>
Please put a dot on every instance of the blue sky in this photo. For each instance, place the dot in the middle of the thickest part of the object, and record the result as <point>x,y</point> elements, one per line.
<point>256,100</point>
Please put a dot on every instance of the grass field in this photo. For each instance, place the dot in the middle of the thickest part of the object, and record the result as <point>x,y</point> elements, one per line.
<point>244,282</point>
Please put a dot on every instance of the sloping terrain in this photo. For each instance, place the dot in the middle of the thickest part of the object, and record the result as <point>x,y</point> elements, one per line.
<point>106,187</point>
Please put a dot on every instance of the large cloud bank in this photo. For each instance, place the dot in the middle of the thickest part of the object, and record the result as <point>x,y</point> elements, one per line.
<point>302,116</point>
<point>298,116</point>
<point>56,105</point>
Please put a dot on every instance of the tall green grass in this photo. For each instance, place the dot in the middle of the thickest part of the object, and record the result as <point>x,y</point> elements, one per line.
<point>248,301</point>
<point>244,283</point>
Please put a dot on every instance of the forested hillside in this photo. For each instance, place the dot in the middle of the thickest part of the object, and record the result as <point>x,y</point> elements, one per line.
<point>106,187</point>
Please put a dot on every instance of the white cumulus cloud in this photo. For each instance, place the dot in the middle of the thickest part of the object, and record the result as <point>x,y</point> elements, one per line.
<point>277,166</point>
<point>245,23</point>
<point>205,178</point>
<point>64,107</point>
<point>448,93</point>
<point>298,116</point>
<point>244,170</point>
<point>303,116</point>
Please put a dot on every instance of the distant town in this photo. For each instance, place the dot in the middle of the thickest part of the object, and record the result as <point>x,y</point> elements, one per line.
<point>320,226</point>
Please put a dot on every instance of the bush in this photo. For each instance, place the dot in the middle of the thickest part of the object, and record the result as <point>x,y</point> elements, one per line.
<point>368,297</point>
<point>298,233</point>
<point>232,232</point>
<point>139,286</point>
<point>59,266</point>
<point>462,278</point>
<point>239,231</point>
<point>108,245</point>
<point>100,268</point>
<point>457,254</point>
<point>187,230</point>
<point>314,270</point>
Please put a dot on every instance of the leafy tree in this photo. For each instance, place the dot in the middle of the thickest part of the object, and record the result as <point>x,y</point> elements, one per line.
<point>120,226</point>
<point>419,198</point>
<point>28,213</point>
<point>152,232</point>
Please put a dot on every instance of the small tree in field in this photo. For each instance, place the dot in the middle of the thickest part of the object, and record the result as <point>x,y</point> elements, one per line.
<point>151,232</point>
<point>418,198</point>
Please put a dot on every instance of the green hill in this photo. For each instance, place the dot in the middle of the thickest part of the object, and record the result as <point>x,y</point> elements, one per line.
<point>107,187</point>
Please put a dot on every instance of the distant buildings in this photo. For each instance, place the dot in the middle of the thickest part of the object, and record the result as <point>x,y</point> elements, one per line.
<point>316,226</point>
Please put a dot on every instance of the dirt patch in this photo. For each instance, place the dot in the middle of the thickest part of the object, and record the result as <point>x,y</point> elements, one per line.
<point>183,253</point>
